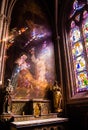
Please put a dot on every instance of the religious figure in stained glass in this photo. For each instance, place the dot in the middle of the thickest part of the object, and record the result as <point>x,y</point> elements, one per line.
<point>80,64</point>
<point>75,32</point>
<point>77,49</point>
<point>78,43</point>
<point>82,81</point>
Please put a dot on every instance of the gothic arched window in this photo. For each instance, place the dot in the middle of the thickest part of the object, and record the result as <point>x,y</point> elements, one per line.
<point>77,34</point>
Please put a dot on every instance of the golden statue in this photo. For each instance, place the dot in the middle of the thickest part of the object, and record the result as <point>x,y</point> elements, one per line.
<point>37,109</point>
<point>57,97</point>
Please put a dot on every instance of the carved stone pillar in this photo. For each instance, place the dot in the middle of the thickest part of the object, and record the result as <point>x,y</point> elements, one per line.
<point>4,23</point>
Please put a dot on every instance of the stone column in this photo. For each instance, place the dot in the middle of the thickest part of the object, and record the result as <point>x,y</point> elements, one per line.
<point>4,22</point>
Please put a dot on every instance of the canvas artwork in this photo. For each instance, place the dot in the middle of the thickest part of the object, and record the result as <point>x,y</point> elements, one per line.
<point>30,61</point>
<point>33,67</point>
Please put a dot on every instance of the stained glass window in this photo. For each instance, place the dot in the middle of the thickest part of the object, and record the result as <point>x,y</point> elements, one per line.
<point>78,45</point>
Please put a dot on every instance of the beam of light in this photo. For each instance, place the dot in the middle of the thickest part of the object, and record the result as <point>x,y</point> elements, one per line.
<point>10,39</point>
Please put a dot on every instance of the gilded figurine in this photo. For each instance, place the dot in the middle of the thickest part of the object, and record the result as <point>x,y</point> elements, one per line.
<point>37,110</point>
<point>57,97</point>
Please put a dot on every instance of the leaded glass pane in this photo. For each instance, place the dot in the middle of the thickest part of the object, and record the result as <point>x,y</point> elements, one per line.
<point>82,81</point>
<point>80,64</point>
<point>78,45</point>
<point>77,49</point>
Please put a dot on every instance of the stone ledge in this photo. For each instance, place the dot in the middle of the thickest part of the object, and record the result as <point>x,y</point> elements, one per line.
<point>38,122</point>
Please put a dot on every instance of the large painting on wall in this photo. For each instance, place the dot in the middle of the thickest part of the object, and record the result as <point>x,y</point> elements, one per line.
<point>30,64</point>
<point>33,70</point>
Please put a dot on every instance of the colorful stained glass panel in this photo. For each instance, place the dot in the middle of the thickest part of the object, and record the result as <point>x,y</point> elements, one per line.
<point>85,28</point>
<point>82,81</point>
<point>77,49</point>
<point>78,45</point>
<point>80,64</point>
<point>86,45</point>
<point>75,35</point>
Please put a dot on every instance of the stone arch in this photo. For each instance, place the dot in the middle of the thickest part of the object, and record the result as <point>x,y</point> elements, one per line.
<point>11,5</point>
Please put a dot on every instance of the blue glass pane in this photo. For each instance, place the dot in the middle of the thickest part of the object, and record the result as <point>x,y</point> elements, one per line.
<point>80,64</point>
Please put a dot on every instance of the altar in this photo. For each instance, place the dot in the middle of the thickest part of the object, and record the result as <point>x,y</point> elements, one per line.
<point>38,117</point>
<point>41,124</point>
